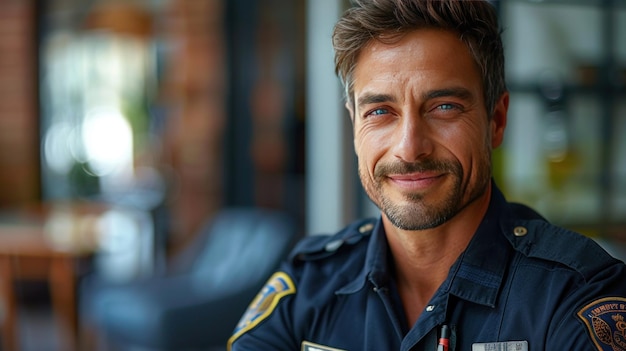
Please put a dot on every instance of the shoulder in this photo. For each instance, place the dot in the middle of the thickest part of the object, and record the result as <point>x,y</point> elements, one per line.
<point>316,267</point>
<point>321,265</point>
<point>320,246</point>
<point>535,237</point>
<point>587,295</point>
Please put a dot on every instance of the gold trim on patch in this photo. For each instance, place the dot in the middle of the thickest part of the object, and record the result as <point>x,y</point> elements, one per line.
<point>605,319</point>
<point>278,286</point>
<point>309,346</point>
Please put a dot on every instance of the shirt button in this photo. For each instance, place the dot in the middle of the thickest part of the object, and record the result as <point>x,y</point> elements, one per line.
<point>520,231</point>
<point>430,308</point>
<point>333,245</point>
<point>365,228</point>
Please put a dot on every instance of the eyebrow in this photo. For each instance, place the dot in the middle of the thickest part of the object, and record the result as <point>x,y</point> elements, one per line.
<point>374,99</point>
<point>460,93</point>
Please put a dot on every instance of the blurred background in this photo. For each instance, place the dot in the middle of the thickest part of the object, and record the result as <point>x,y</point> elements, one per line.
<point>128,127</point>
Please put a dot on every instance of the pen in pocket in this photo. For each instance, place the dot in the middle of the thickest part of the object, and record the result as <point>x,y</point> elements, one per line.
<point>444,339</point>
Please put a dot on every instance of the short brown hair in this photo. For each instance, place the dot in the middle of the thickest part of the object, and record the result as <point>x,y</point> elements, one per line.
<point>475,21</point>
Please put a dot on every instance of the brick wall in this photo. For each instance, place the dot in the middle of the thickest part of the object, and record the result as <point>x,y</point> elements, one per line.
<point>194,92</point>
<point>19,146</point>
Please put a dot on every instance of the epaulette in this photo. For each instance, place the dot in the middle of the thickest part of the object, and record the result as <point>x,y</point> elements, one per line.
<point>535,237</point>
<point>315,247</point>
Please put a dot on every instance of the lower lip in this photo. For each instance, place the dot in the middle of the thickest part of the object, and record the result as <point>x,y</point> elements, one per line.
<point>415,183</point>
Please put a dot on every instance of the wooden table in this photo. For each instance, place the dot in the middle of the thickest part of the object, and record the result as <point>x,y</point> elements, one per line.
<point>28,253</point>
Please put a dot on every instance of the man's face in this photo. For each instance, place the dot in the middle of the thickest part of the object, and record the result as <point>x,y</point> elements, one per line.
<point>421,131</point>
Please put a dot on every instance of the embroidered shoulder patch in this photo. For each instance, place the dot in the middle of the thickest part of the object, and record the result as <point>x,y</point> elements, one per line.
<point>606,323</point>
<point>278,286</point>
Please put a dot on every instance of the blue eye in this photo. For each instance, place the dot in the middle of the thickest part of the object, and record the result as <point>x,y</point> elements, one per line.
<point>446,107</point>
<point>378,112</point>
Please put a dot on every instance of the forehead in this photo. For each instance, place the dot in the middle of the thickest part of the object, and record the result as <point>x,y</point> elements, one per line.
<point>427,56</point>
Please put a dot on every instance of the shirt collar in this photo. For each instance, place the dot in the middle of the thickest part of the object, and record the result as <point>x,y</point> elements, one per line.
<point>476,276</point>
<point>376,267</point>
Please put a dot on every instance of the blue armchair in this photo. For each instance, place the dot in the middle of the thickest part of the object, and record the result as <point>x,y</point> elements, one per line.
<point>197,308</point>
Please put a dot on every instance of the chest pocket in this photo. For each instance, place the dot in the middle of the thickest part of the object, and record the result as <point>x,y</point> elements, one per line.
<point>432,339</point>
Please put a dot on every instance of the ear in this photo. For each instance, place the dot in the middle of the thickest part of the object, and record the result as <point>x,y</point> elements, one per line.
<point>498,121</point>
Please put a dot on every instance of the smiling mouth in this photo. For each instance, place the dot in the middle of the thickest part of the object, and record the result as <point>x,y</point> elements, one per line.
<point>417,176</point>
<point>413,177</point>
<point>415,181</point>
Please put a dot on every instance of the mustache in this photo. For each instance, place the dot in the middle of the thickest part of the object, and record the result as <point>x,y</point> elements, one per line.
<point>428,165</point>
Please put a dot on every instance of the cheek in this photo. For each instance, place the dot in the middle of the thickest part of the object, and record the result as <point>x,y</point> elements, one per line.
<point>469,144</point>
<point>370,142</point>
<point>458,139</point>
<point>369,148</point>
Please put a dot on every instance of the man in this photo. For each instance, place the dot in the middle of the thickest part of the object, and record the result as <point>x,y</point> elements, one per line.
<point>450,265</point>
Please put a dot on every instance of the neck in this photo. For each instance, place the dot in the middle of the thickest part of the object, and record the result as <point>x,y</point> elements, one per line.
<point>423,258</point>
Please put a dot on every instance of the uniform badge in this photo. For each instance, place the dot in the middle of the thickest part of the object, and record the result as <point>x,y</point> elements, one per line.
<point>606,323</point>
<point>278,286</point>
<point>309,346</point>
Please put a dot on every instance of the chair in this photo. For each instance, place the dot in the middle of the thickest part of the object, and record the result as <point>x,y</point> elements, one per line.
<point>199,306</point>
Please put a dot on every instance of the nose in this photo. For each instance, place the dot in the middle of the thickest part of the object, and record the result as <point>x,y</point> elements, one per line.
<point>412,139</point>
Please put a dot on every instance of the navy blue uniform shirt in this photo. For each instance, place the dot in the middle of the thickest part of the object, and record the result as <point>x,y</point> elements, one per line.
<point>521,284</point>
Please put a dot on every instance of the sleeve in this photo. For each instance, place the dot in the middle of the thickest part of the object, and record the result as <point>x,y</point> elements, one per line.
<point>267,323</point>
<point>596,319</point>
